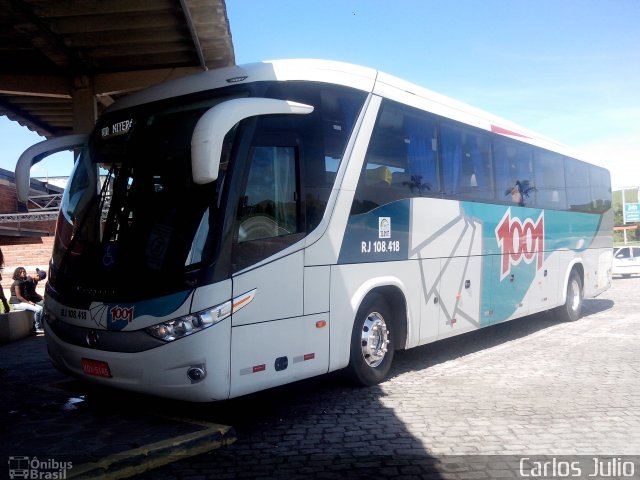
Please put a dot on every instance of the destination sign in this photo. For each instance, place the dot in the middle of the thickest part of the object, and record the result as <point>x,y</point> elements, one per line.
<point>118,128</point>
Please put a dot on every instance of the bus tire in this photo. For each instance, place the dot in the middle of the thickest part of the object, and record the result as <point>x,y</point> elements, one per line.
<point>372,342</point>
<point>572,308</point>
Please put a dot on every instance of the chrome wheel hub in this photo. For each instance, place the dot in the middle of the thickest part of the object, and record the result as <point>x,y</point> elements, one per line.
<point>375,339</point>
<point>575,295</point>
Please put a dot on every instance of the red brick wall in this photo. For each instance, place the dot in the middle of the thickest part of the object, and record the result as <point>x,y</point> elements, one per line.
<point>9,204</point>
<point>8,199</point>
<point>19,250</point>
<point>27,252</point>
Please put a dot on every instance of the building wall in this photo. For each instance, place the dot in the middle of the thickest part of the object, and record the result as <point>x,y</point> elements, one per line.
<point>27,252</point>
<point>8,201</point>
<point>9,204</point>
<point>24,244</point>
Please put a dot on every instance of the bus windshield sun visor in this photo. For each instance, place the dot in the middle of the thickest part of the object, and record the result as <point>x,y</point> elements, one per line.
<point>37,152</point>
<point>208,135</point>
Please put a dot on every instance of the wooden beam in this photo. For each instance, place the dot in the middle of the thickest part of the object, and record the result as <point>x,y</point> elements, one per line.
<point>194,32</point>
<point>54,86</point>
<point>26,119</point>
<point>123,82</point>
<point>69,8</point>
<point>125,23</point>
<point>57,86</point>
<point>44,39</point>
<point>84,105</point>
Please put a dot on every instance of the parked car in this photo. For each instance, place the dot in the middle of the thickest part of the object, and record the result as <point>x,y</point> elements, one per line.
<point>626,261</point>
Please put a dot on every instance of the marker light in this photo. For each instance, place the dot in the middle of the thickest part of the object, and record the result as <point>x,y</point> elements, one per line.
<point>192,323</point>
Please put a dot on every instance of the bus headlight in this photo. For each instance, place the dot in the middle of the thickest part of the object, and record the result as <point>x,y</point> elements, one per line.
<point>192,323</point>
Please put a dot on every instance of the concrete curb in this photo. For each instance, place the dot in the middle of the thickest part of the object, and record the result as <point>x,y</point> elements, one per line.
<point>148,457</point>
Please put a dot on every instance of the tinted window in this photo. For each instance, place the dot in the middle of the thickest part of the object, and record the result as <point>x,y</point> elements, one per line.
<point>270,213</point>
<point>322,137</point>
<point>578,191</point>
<point>287,167</point>
<point>514,172</point>
<point>600,183</point>
<point>401,160</point>
<point>413,153</point>
<point>269,207</point>
<point>549,180</point>
<point>466,162</point>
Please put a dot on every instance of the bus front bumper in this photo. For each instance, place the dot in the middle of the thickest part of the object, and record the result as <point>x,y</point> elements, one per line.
<point>195,368</point>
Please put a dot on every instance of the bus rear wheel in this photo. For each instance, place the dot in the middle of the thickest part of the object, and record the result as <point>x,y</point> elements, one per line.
<point>372,342</point>
<point>572,308</point>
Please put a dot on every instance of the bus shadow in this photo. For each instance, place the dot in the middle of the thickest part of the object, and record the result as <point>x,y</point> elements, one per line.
<point>596,305</point>
<point>448,349</point>
<point>321,427</point>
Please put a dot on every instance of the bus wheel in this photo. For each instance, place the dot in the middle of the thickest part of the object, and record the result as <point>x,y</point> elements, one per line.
<point>572,308</point>
<point>372,344</point>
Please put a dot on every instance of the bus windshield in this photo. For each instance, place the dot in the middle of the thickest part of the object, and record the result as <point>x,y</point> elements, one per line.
<point>132,215</point>
<point>134,224</point>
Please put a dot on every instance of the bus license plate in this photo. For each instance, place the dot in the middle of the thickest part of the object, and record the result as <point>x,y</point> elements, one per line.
<point>96,368</point>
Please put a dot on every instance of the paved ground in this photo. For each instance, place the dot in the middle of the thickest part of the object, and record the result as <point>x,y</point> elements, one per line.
<point>529,387</point>
<point>468,407</point>
<point>48,420</point>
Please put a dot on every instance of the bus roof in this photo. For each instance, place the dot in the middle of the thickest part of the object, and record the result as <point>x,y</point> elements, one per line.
<point>346,74</point>
<point>354,76</point>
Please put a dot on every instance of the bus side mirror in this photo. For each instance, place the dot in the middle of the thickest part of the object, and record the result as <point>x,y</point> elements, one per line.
<point>209,133</point>
<point>37,152</point>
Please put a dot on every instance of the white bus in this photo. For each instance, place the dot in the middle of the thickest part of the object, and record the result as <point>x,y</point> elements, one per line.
<point>255,225</point>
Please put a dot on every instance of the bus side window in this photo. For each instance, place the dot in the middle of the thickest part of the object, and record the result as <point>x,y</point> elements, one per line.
<point>268,207</point>
<point>322,137</point>
<point>269,216</point>
<point>420,138</point>
<point>549,180</point>
<point>578,191</point>
<point>514,173</point>
<point>600,182</point>
<point>466,163</point>
<point>401,160</point>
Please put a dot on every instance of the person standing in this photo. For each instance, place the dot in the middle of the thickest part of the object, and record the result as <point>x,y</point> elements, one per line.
<point>19,302</point>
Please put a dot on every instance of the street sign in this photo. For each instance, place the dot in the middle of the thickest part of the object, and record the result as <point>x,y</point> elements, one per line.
<point>631,212</point>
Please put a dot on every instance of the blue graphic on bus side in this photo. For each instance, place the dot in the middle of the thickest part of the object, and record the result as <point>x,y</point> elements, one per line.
<point>515,244</point>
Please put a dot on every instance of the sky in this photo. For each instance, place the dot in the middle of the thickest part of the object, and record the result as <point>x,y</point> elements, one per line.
<point>567,69</point>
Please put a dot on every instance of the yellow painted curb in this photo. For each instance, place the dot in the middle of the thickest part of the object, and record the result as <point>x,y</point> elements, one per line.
<point>141,459</point>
